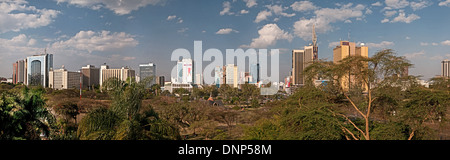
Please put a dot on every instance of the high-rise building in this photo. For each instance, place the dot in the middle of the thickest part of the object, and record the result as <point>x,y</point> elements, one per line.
<point>38,67</point>
<point>185,72</point>
<point>254,73</point>
<point>232,75</point>
<point>122,74</point>
<point>63,79</point>
<point>303,58</point>
<point>199,79</point>
<point>91,76</point>
<point>160,80</point>
<point>146,71</point>
<point>344,50</point>
<point>218,76</point>
<point>446,68</point>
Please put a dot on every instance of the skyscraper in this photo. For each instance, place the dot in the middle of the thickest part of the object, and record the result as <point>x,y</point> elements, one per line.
<point>254,73</point>
<point>38,67</point>
<point>446,68</point>
<point>232,75</point>
<point>302,59</point>
<point>218,76</point>
<point>148,70</point>
<point>63,79</point>
<point>91,76</point>
<point>185,72</point>
<point>121,74</point>
<point>344,50</point>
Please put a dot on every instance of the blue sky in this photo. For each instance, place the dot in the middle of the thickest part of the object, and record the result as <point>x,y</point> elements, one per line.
<point>129,32</point>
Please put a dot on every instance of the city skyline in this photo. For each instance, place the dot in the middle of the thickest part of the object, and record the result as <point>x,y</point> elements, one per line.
<point>97,32</point>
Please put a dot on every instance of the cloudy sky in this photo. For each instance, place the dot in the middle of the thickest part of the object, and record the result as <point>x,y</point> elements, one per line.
<point>129,32</point>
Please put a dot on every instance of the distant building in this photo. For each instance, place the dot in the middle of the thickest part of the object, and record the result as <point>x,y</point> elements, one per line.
<point>38,67</point>
<point>91,76</point>
<point>185,70</point>
<point>121,74</point>
<point>199,79</point>
<point>254,73</point>
<point>63,79</point>
<point>445,68</point>
<point>219,76</point>
<point>302,59</point>
<point>232,75</point>
<point>147,70</point>
<point>344,50</point>
<point>160,80</point>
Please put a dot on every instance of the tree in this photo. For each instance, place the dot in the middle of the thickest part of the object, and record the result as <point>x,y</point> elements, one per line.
<point>125,119</point>
<point>24,115</point>
<point>362,73</point>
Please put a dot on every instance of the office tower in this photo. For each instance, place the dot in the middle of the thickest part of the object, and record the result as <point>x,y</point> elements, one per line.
<point>301,59</point>
<point>38,67</point>
<point>218,76</point>
<point>123,74</point>
<point>254,73</point>
<point>184,72</point>
<point>199,79</point>
<point>14,75</point>
<point>91,76</point>
<point>446,68</point>
<point>232,75</point>
<point>63,79</point>
<point>160,80</point>
<point>344,50</point>
<point>19,72</point>
<point>188,76</point>
<point>146,71</point>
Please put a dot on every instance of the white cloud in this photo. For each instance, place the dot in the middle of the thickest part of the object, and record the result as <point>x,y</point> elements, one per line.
<point>403,18</point>
<point>303,6</point>
<point>226,9</point>
<point>97,41</point>
<point>377,4</point>
<point>18,15</point>
<point>226,31</point>
<point>269,35</point>
<point>244,11</point>
<point>383,44</point>
<point>324,17</point>
<point>263,15</point>
<point>171,17</point>
<point>182,30</point>
<point>389,13</point>
<point>445,43</point>
<point>396,4</point>
<point>420,4</point>
<point>278,10</point>
<point>119,7</point>
<point>250,3</point>
<point>128,58</point>
<point>414,55</point>
<point>333,44</point>
<point>445,3</point>
<point>20,44</point>
<point>407,38</point>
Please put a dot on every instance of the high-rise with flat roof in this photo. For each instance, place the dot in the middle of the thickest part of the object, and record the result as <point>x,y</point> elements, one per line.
<point>344,50</point>
<point>302,59</point>
<point>91,76</point>
<point>232,75</point>
<point>146,71</point>
<point>122,74</point>
<point>446,68</point>
<point>63,79</point>
<point>38,67</point>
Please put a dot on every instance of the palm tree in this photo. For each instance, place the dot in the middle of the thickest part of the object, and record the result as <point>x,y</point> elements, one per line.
<point>125,119</point>
<point>24,115</point>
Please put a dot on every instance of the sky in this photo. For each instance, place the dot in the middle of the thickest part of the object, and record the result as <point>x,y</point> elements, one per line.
<point>132,32</point>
